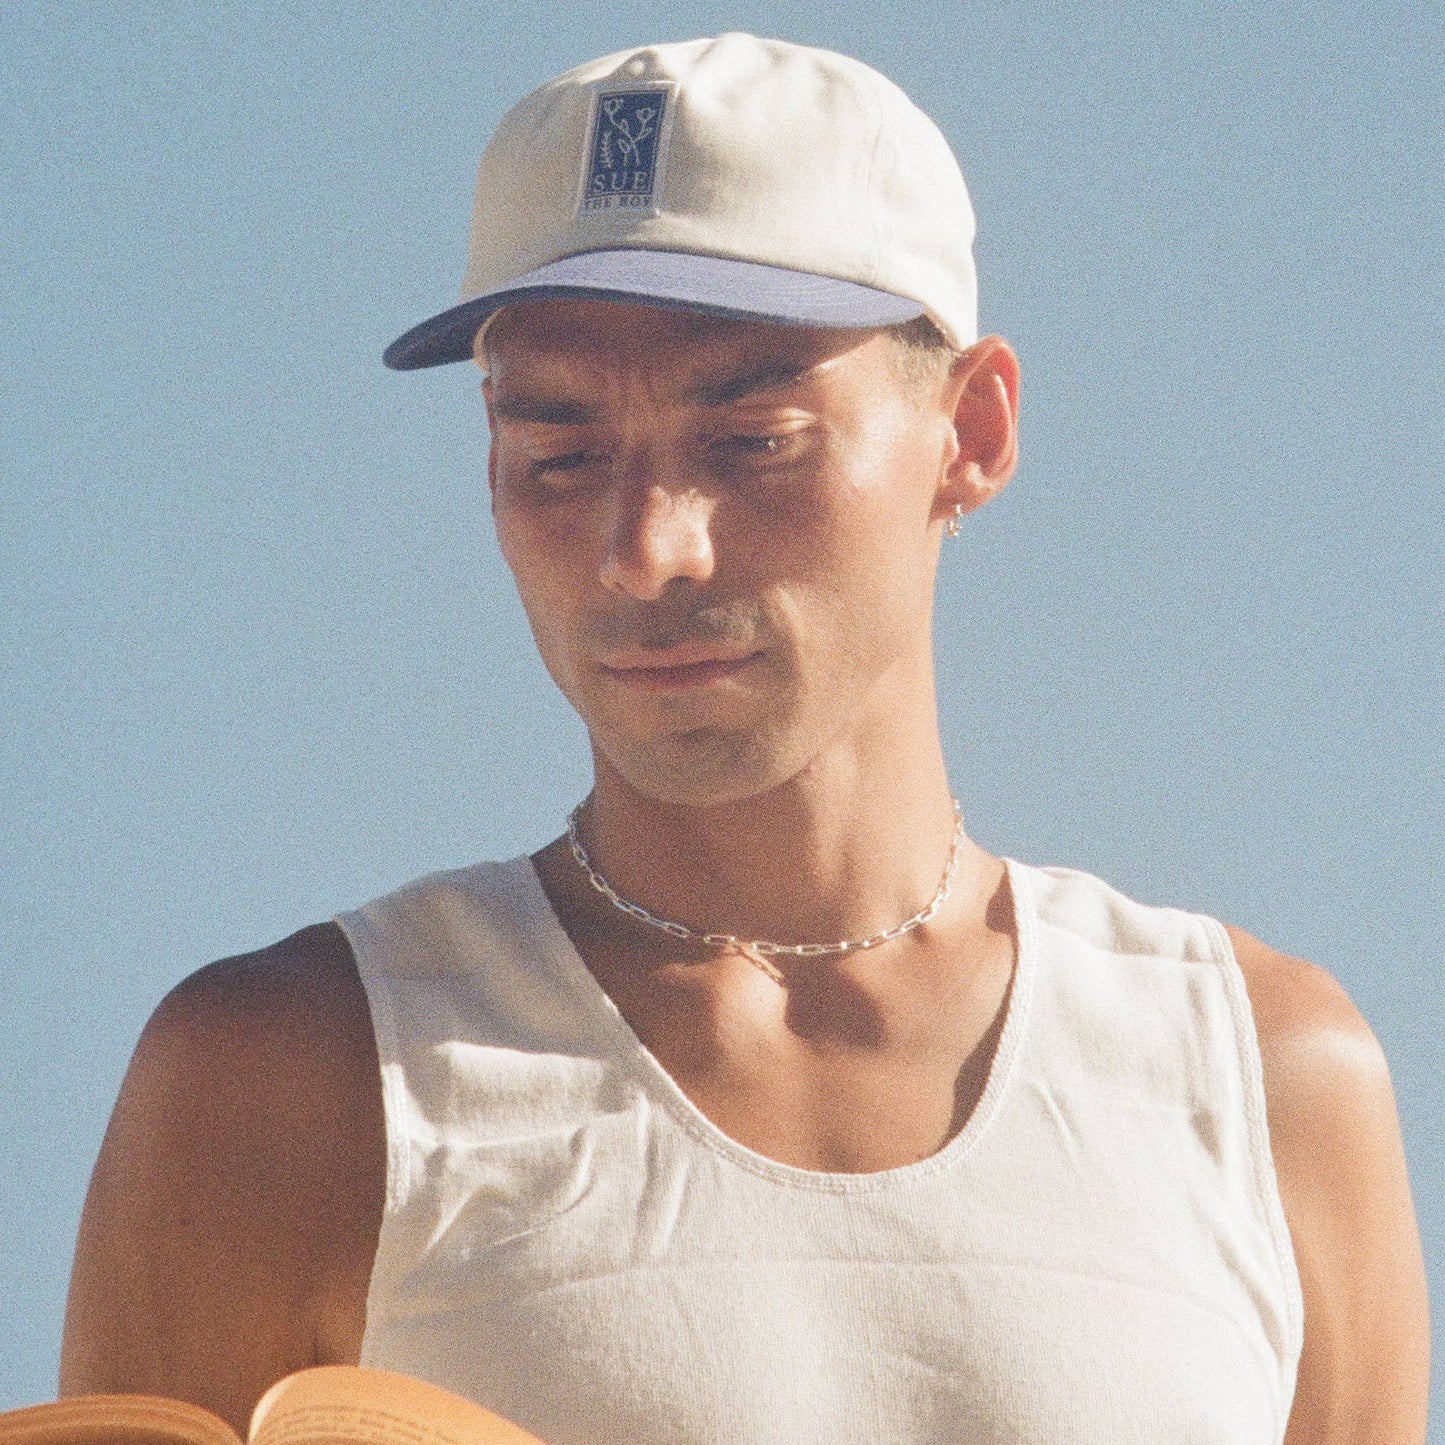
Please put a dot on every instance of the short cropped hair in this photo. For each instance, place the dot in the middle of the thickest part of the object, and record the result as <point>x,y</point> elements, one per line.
<point>924,353</point>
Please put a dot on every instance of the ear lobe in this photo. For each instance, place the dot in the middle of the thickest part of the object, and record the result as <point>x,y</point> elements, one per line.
<point>985,390</point>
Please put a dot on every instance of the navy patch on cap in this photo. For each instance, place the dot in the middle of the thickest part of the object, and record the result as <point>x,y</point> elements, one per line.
<point>624,158</point>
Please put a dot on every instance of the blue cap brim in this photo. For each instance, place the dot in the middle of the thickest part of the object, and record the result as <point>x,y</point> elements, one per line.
<point>679,280</point>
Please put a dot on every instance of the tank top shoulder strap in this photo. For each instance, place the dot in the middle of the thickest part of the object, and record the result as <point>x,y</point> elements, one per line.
<point>1140,1003</point>
<point>473,962</point>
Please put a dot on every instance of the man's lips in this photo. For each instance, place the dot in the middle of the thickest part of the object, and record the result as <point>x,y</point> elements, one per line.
<point>689,664</point>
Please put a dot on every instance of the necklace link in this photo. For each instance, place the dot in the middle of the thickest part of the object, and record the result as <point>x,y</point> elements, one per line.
<point>763,947</point>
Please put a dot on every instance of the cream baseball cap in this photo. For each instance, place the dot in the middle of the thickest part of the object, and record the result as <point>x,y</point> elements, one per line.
<point>737,177</point>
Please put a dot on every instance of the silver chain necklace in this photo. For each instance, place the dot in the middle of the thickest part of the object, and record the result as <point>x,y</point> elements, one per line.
<point>762,947</point>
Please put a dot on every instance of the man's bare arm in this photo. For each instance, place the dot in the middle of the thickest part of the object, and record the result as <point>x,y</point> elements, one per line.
<point>1364,1372</point>
<point>232,1218</point>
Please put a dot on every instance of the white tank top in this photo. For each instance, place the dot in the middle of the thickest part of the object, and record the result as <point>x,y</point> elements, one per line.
<point>1100,1255</point>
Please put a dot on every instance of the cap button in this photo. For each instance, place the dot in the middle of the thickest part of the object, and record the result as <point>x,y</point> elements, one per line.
<point>636,66</point>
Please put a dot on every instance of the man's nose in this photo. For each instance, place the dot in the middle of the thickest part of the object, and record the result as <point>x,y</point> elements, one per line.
<point>660,533</point>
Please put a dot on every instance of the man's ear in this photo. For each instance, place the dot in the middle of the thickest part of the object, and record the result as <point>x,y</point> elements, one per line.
<point>983,391</point>
<point>492,433</point>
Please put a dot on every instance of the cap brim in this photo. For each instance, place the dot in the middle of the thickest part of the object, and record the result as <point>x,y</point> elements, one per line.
<point>680,280</point>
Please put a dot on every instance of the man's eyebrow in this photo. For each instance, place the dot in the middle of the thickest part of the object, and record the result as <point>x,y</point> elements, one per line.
<point>557,411</point>
<point>745,383</point>
<point>545,410</point>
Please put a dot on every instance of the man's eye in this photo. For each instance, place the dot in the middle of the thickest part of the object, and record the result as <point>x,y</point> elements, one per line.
<point>746,445</point>
<point>565,462</point>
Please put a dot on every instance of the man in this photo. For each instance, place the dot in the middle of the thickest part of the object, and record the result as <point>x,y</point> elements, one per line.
<point>763,1104</point>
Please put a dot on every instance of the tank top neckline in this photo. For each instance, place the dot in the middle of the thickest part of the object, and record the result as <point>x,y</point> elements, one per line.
<point>560,954</point>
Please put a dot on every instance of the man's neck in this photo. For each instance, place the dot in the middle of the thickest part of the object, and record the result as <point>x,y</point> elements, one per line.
<point>839,851</point>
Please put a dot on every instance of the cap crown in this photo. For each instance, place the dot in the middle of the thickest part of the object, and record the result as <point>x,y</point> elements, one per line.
<point>748,149</point>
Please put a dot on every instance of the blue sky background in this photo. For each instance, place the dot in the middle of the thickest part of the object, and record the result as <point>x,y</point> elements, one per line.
<point>259,659</point>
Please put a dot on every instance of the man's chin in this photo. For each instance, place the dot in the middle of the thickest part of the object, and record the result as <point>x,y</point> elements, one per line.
<point>702,767</point>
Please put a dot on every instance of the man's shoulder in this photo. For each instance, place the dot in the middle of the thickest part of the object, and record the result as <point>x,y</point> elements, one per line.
<point>265,985</point>
<point>1340,1162</point>
<point>261,1066</point>
<point>1318,1054</point>
<point>1332,1121</point>
<point>234,1209</point>
<point>1310,1032</point>
<point>262,1020</point>
<point>1328,1093</point>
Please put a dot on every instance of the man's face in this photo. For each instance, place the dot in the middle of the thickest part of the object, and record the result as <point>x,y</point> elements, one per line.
<point>724,535</point>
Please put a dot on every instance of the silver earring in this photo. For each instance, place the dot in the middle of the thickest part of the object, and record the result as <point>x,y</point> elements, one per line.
<point>955,523</point>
